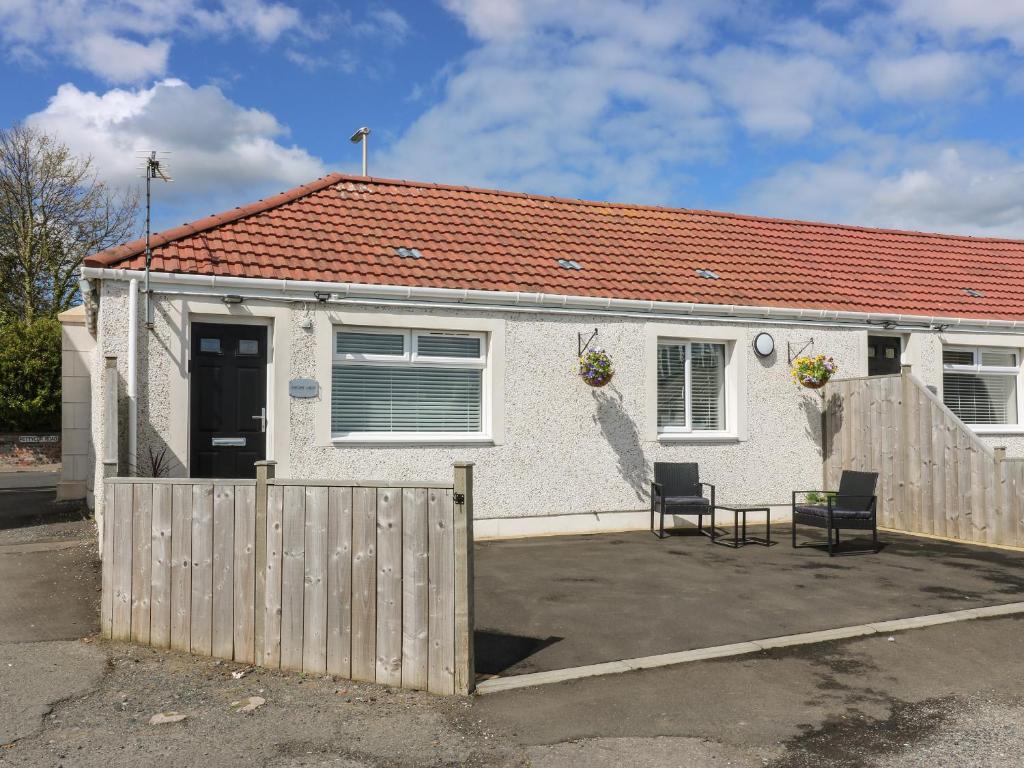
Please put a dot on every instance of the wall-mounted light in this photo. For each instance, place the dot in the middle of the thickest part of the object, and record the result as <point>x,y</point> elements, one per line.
<point>764,344</point>
<point>321,296</point>
<point>232,298</point>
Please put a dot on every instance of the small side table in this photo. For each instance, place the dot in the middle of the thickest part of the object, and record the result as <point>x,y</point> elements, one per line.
<point>739,524</point>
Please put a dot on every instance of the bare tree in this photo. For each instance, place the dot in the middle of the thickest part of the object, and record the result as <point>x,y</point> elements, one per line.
<point>54,212</point>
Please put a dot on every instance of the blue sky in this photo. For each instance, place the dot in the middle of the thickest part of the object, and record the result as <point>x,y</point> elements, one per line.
<point>899,113</point>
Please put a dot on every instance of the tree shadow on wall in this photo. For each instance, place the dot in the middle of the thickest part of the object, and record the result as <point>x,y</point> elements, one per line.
<point>622,435</point>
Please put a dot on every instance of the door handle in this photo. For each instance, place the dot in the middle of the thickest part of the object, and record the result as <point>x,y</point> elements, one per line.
<point>262,416</point>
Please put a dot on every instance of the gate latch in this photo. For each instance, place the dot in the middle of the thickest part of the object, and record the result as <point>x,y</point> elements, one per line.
<point>460,498</point>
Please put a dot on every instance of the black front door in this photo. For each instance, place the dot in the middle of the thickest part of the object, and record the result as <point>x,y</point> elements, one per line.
<point>228,399</point>
<point>883,355</point>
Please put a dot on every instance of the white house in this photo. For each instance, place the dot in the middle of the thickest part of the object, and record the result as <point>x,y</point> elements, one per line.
<point>372,328</point>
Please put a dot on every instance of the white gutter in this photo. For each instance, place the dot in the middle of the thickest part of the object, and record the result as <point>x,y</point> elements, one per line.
<point>133,413</point>
<point>464,298</point>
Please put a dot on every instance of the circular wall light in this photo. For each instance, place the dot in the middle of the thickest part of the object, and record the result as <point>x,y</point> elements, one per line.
<point>764,344</point>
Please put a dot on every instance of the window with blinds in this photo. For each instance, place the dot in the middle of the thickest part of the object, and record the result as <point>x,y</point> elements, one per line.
<point>691,386</point>
<point>413,383</point>
<point>979,384</point>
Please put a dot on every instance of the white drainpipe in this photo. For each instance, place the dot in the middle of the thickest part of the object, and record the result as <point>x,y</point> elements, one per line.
<point>133,332</point>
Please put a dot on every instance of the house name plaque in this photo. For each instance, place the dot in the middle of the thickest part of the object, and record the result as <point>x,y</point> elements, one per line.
<point>303,388</point>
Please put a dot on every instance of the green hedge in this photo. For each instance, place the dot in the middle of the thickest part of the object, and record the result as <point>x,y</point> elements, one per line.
<point>30,374</point>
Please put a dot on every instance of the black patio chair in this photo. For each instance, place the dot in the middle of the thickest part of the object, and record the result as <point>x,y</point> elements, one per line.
<point>677,490</point>
<point>852,507</point>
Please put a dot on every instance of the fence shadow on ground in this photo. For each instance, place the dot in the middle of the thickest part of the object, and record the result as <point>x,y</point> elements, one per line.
<point>497,651</point>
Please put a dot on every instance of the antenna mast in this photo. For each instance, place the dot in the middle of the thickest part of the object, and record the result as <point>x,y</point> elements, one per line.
<point>154,170</point>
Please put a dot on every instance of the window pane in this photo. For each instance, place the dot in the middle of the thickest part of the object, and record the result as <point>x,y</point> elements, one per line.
<point>671,386</point>
<point>957,357</point>
<point>707,376</point>
<point>448,346</point>
<point>981,398</point>
<point>368,398</point>
<point>999,357</point>
<point>209,345</point>
<point>358,343</point>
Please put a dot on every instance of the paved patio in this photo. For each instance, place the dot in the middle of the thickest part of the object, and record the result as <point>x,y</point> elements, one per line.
<point>558,602</point>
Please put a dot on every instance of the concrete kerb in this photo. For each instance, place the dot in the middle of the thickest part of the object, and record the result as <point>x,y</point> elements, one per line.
<point>498,684</point>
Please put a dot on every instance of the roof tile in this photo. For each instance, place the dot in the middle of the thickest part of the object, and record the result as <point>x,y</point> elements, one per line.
<point>345,229</point>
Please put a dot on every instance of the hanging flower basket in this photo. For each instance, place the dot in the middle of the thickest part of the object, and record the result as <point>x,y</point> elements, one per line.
<point>813,372</point>
<point>596,367</point>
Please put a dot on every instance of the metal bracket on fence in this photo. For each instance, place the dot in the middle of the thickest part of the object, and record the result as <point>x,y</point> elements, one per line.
<point>460,498</point>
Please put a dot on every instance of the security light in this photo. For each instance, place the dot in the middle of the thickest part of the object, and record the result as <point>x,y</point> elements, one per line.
<point>362,135</point>
<point>764,344</point>
<point>232,298</point>
<point>321,296</point>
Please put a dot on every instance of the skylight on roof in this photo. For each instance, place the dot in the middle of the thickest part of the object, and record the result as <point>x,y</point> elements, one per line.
<point>974,293</point>
<point>409,253</point>
<point>569,264</point>
<point>707,273</point>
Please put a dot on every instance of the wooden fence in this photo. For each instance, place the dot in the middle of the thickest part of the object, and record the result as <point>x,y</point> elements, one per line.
<point>935,475</point>
<point>369,581</point>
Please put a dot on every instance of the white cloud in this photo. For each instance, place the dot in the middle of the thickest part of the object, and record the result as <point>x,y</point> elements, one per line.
<point>979,20</point>
<point>962,188</point>
<point>119,60</point>
<point>127,41</point>
<point>267,21</point>
<point>221,152</point>
<point>566,99</point>
<point>660,24</point>
<point>923,77</point>
<point>386,23</point>
<point>784,95</point>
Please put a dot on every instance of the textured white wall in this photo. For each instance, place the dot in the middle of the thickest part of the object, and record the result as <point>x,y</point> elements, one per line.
<point>567,448</point>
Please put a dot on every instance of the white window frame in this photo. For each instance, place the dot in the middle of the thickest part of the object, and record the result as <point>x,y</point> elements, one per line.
<point>977,367</point>
<point>687,428</point>
<point>735,340</point>
<point>410,358</point>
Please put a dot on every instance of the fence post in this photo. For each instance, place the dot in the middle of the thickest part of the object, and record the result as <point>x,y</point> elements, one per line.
<point>465,673</point>
<point>110,436</point>
<point>1001,502</point>
<point>264,473</point>
<point>908,519</point>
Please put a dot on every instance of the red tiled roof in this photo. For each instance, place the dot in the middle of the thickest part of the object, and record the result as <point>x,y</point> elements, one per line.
<point>346,229</point>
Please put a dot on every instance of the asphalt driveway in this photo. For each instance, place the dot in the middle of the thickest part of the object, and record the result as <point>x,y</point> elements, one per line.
<point>49,568</point>
<point>947,695</point>
<point>567,601</point>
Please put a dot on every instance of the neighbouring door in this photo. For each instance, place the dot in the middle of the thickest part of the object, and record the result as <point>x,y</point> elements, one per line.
<point>228,392</point>
<point>884,355</point>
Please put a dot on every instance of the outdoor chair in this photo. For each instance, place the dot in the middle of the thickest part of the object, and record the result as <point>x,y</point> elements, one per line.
<point>852,507</point>
<point>677,490</point>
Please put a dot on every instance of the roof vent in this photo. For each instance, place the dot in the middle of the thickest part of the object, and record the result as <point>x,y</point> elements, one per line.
<point>707,273</point>
<point>569,264</point>
<point>409,253</point>
<point>974,293</point>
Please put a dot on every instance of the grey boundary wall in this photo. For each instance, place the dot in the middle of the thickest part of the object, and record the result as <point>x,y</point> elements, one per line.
<point>363,580</point>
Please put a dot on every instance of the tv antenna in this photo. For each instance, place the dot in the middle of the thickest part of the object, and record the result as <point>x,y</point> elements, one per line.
<point>361,136</point>
<point>155,168</point>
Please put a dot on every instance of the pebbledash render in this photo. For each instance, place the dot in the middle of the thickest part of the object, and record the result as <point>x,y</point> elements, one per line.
<point>399,327</point>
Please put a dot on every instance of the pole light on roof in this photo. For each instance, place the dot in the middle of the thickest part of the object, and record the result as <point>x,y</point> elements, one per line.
<point>362,135</point>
